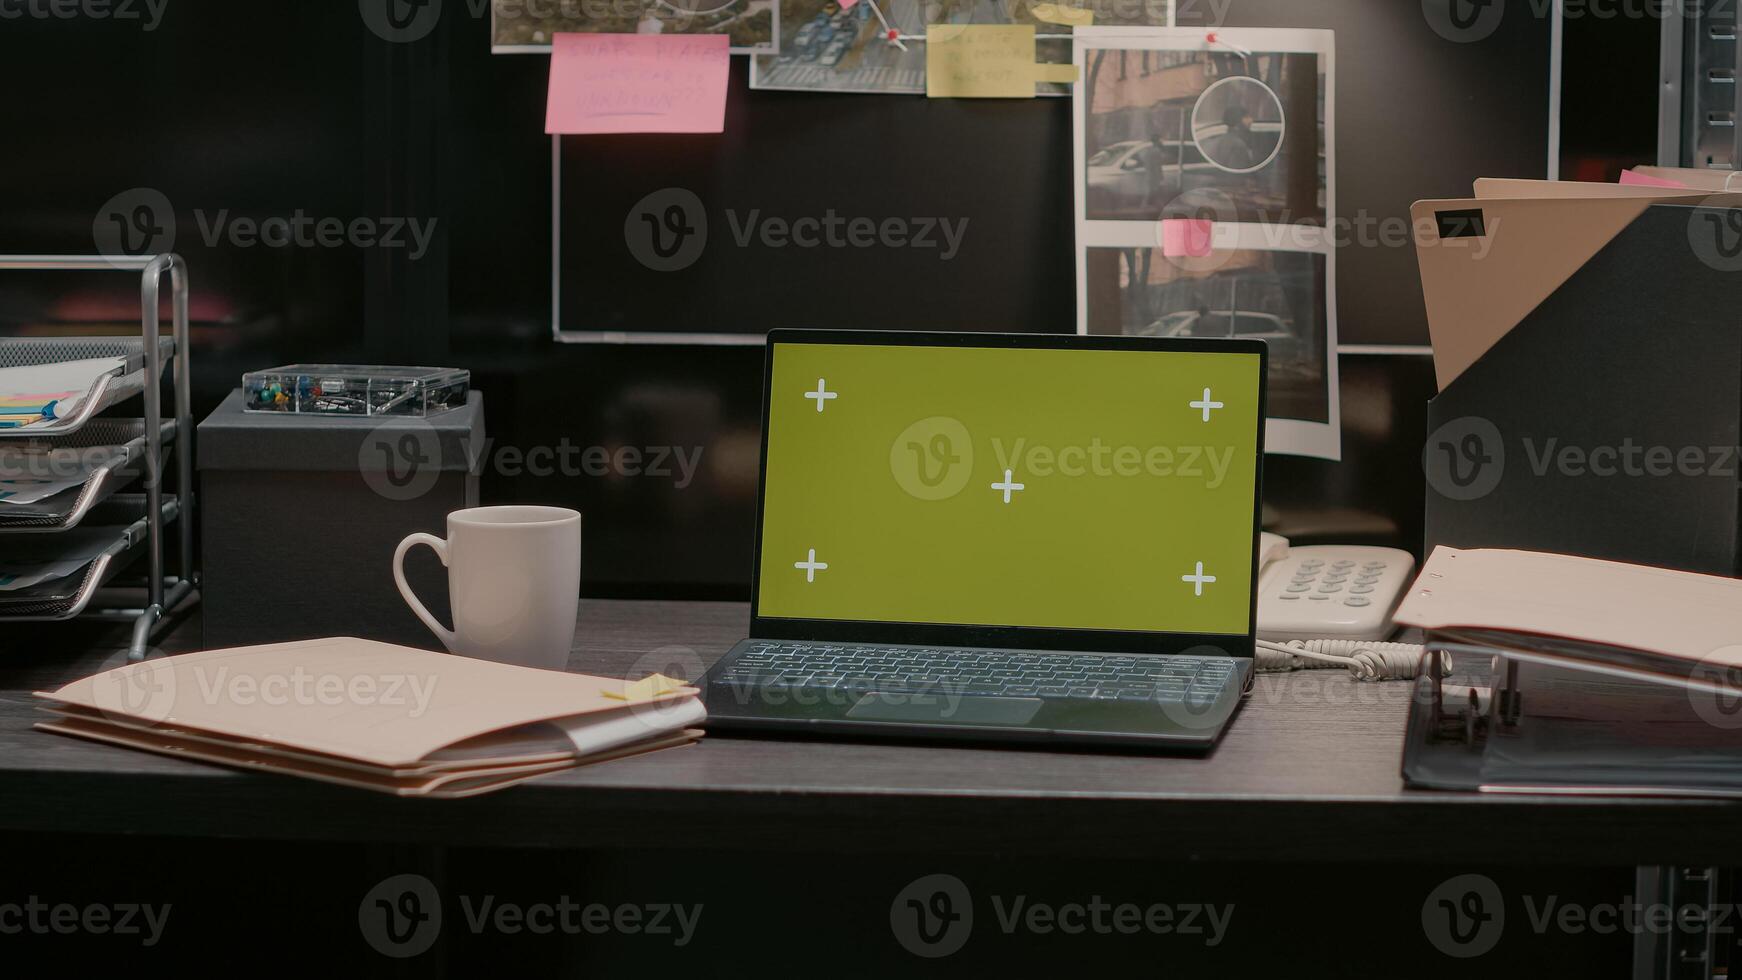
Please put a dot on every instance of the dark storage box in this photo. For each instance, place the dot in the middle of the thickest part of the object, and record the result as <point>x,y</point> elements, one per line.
<point>1606,422</point>
<point>299,516</point>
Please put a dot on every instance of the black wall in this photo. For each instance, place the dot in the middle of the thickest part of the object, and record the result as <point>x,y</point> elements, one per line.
<point>249,111</point>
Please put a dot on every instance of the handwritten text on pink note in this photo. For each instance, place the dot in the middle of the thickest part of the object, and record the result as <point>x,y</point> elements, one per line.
<point>637,83</point>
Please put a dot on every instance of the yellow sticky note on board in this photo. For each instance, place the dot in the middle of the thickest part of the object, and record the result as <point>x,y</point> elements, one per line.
<point>985,61</point>
<point>1058,13</point>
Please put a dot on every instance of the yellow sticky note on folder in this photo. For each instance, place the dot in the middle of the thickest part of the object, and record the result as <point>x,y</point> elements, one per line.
<point>651,686</point>
<point>985,61</point>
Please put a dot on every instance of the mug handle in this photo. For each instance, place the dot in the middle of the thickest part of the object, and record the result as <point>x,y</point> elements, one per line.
<point>440,547</point>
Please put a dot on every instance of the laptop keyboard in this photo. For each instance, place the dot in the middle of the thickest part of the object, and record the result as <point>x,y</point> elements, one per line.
<point>1083,676</point>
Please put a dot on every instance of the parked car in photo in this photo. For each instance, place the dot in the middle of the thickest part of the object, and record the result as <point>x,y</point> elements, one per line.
<point>1120,176</point>
<point>825,37</point>
<point>1278,334</point>
<point>836,51</point>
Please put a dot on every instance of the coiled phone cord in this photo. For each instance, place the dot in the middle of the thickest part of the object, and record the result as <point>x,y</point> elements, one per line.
<point>1367,660</point>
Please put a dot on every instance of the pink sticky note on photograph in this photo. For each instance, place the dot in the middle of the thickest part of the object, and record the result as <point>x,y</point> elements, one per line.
<point>1189,237</point>
<point>637,83</point>
<point>1641,180</point>
<point>847,4</point>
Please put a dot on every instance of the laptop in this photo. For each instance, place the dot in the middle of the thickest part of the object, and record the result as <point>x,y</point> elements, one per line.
<point>1043,538</point>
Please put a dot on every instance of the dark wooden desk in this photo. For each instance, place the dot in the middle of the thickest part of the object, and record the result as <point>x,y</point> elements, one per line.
<point>1308,772</point>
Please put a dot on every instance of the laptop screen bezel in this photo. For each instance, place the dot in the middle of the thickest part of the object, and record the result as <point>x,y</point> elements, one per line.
<point>1009,637</point>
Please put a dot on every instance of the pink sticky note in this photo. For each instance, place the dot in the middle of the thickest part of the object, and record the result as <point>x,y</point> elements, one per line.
<point>1641,180</point>
<point>847,4</point>
<point>1186,237</point>
<point>637,83</point>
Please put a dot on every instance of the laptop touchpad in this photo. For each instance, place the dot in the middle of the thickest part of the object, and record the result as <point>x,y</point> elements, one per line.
<point>944,709</point>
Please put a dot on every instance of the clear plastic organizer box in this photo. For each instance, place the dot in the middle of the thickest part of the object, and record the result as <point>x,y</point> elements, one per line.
<point>355,389</point>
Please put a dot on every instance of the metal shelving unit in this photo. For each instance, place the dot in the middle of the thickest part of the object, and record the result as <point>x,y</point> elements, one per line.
<point>1699,98</point>
<point>111,528</point>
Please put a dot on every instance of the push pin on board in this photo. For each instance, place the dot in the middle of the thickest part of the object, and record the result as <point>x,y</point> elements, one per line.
<point>1214,38</point>
<point>890,34</point>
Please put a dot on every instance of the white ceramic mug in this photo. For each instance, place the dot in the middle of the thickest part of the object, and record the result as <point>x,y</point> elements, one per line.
<point>514,581</point>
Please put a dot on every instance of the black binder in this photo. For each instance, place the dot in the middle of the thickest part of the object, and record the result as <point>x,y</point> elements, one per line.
<point>1510,713</point>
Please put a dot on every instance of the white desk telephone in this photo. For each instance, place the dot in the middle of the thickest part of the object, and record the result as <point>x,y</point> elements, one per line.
<point>1331,605</point>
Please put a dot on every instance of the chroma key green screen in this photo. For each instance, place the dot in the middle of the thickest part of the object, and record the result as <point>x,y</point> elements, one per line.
<point>1067,489</point>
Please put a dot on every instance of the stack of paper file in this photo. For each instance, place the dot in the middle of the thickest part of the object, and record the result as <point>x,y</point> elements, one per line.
<point>33,473</point>
<point>39,393</point>
<point>44,558</point>
<point>374,715</point>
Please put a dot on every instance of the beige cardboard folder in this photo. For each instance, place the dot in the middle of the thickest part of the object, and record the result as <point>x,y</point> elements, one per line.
<point>1680,615</point>
<point>1533,236</point>
<point>371,714</point>
<point>437,785</point>
<point>1494,188</point>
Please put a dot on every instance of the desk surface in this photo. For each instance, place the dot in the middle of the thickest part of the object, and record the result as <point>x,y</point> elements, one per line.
<point>1308,771</point>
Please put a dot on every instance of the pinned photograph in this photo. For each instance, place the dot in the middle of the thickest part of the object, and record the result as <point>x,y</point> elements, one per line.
<point>1203,171</point>
<point>1160,123</point>
<point>1248,294</point>
<point>830,46</point>
<point>517,27</point>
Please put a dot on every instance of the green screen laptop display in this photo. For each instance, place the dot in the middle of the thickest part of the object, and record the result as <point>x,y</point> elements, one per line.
<point>1066,489</point>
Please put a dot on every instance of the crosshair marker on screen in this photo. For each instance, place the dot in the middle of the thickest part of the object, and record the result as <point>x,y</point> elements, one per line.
<point>1008,485</point>
<point>1206,404</point>
<point>822,394</point>
<point>811,566</point>
<point>1198,580</point>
